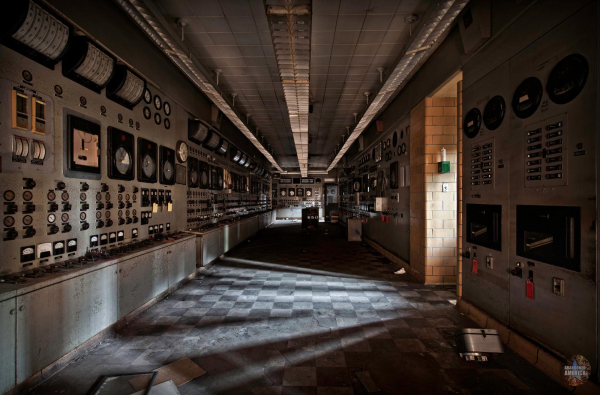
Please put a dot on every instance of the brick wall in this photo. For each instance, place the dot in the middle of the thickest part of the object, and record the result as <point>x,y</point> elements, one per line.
<point>460,185</point>
<point>433,213</point>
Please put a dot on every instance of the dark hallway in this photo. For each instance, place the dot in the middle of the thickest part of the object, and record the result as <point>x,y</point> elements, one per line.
<point>305,312</point>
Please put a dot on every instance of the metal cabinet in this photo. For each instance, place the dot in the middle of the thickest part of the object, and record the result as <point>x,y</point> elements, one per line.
<point>210,246</point>
<point>181,261</point>
<point>141,279</point>
<point>53,321</point>
<point>8,317</point>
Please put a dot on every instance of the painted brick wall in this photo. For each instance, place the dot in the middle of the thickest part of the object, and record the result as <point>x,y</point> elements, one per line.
<point>459,186</point>
<point>433,213</point>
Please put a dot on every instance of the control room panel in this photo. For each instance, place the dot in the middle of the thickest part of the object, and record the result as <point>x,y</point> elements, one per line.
<point>93,156</point>
<point>297,192</point>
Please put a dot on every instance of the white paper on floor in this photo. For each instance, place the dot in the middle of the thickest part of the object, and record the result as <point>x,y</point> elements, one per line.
<point>166,388</point>
<point>401,271</point>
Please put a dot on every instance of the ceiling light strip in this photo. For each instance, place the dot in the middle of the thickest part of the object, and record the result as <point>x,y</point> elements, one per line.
<point>146,20</point>
<point>421,47</point>
<point>290,31</point>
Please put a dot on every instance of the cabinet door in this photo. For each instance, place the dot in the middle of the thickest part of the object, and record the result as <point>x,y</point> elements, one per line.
<point>210,247</point>
<point>141,279</point>
<point>8,342</point>
<point>54,320</point>
<point>182,260</point>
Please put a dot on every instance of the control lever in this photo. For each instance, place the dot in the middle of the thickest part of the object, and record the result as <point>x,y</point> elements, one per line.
<point>466,253</point>
<point>518,270</point>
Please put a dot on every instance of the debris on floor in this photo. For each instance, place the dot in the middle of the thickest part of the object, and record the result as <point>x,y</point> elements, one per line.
<point>401,271</point>
<point>166,388</point>
<point>367,381</point>
<point>181,372</point>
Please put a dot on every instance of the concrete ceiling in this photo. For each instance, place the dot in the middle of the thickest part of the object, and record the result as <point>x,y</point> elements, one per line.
<point>350,40</point>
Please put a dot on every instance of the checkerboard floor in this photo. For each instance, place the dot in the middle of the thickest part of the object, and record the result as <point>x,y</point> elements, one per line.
<point>297,311</point>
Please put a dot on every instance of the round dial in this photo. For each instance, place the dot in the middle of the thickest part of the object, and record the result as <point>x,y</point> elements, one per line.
<point>181,150</point>
<point>82,216</point>
<point>356,186</point>
<point>27,220</point>
<point>168,171</point>
<point>107,196</point>
<point>194,177</point>
<point>527,97</point>
<point>120,213</point>
<point>134,212</point>
<point>147,112</point>
<point>51,195</point>
<point>283,193</point>
<point>157,118</point>
<point>167,123</point>
<point>51,218</point>
<point>157,102</point>
<point>64,196</point>
<point>147,96</point>
<point>127,197</point>
<point>9,195</point>
<point>292,193</point>
<point>27,196</point>
<point>99,214</point>
<point>204,179</point>
<point>107,214</point>
<point>494,112</point>
<point>64,217</point>
<point>127,213</point>
<point>123,160</point>
<point>149,166</point>
<point>167,108</point>
<point>98,196</point>
<point>9,221</point>
<point>134,197</point>
<point>82,196</point>
<point>18,146</point>
<point>567,79</point>
<point>120,196</point>
<point>308,193</point>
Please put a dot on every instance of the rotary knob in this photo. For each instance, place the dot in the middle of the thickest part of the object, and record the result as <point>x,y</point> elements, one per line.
<point>30,183</point>
<point>121,221</point>
<point>67,228</point>
<point>29,208</point>
<point>104,188</point>
<point>85,186</point>
<point>121,189</point>
<point>135,220</point>
<point>67,207</point>
<point>61,185</point>
<point>11,209</point>
<point>54,229</point>
<point>53,207</point>
<point>121,205</point>
<point>100,224</point>
<point>128,204</point>
<point>85,226</point>
<point>99,206</point>
<point>136,189</point>
<point>30,232</point>
<point>109,222</point>
<point>128,221</point>
<point>12,234</point>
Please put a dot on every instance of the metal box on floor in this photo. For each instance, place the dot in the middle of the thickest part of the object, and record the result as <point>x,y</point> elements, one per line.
<point>474,343</point>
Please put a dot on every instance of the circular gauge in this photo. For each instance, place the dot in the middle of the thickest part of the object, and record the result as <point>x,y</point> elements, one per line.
<point>292,193</point>
<point>82,100</point>
<point>204,178</point>
<point>27,76</point>
<point>107,196</point>
<point>527,97</point>
<point>137,125</point>
<point>120,213</point>
<point>130,122</point>
<point>27,196</point>
<point>18,146</point>
<point>168,171</point>
<point>395,139</point>
<point>64,196</point>
<point>51,218</point>
<point>167,123</point>
<point>308,193</point>
<point>194,177</point>
<point>127,197</point>
<point>98,196</point>
<point>472,123</point>
<point>493,113</point>
<point>134,197</point>
<point>567,79</point>
<point>58,90</point>
<point>134,212</point>
<point>82,216</point>
<point>82,196</point>
<point>9,196</point>
<point>181,151</point>
<point>127,213</point>
<point>147,96</point>
<point>107,214</point>
<point>27,220</point>
<point>120,197</point>
<point>283,193</point>
<point>99,214</point>
<point>120,117</point>
<point>167,108</point>
<point>399,150</point>
<point>157,118</point>
<point>157,102</point>
<point>356,186</point>
<point>51,195</point>
<point>9,222</point>
<point>102,110</point>
<point>149,166</point>
<point>403,148</point>
<point>388,142</point>
<point>64,217</point>
<point>147,112</point>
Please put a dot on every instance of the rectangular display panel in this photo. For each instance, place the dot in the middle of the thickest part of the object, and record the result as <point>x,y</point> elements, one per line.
<point>84,145</point>
<point>484,225</point>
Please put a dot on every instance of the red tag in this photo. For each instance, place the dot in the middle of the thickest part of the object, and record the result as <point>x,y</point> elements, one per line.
<point>530,290</point>
<point>387,220</point>
<point>382,217</point>
<point>474,268</point>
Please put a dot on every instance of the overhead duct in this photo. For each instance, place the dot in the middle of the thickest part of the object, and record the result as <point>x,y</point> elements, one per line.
<point>290,30</point>
<point>147,20</point>
<point>422,46</point>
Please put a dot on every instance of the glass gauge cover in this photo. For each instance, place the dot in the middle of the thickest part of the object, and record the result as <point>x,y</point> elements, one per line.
<point>64,196</point>
<point>120,213</point>
<point>120,196</point>
<point>157,102</point>
<point>27,220</point>
<point>98,196</point>
<point>147,113</point>
<point>107,214</point>
<point>127,197</point>
<point>9,221</point>
<point>82,216</point>
<point>157,118</point>
<point>51,218</point>
<point>64,217</point>
<point>134,197</point>
<point>127,213</point>
<point>82,196</point>
<point>167,108</point>
<point>194,177</point>
<point>27,196</point>
<point>51,195</point>
<point>107,196</point>
<point>134,212</point>
<point>168,170</point>
<point>123,160</point>
<point>147,96</point>
<point>9,196</point>
<point>149,166</point>
<point>98,214</point>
